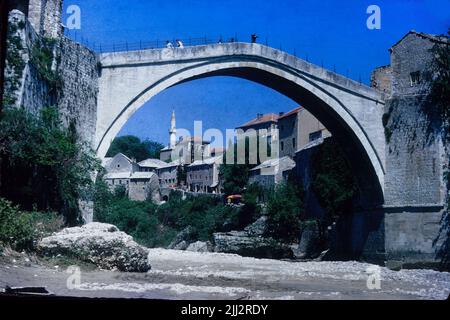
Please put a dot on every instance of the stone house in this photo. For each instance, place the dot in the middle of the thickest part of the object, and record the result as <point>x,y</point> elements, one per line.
<point>271,172</point>
<point>203,176</point>
<point>151,165</point>
<point>139,182</point>
<point>168,175</point>
<point>297,129</point>
<point>120,163</point>
<point>262,123</point>
<point>144,186</point>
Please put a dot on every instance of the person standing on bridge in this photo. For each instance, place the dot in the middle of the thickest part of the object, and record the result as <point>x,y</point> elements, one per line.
<point>169,45</point>
<point>254,38</point>
<point>180,44</point>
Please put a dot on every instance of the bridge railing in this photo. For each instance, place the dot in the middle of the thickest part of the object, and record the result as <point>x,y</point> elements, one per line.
<point>155,44</point>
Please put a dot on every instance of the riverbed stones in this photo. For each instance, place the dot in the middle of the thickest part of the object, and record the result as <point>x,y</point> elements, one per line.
<point>200,246</point>
<point>101,244</point>
<point>182,239</point>
<point>242,243</point>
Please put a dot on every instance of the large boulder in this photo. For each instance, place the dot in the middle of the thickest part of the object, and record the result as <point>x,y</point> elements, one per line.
<point>182,239</point>
<point>244,244</point>
<point>200,246</point>
<point>98,243</point>
<point>309,247</point>
<point>259,228</point>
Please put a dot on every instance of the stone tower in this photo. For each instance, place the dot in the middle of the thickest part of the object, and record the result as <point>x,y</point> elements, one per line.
<point>173,131</point>
<point>45,17</point>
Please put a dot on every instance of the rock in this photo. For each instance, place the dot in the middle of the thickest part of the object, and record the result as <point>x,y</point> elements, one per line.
<point>298,254</point>
<point>309,243</point>
<point>240,242</point>
<point>259,228</point>
<point>200,246</point>
<point>182,239</point>
<point>324,256</point>
<point>183,245</point>
<point>98,243</point>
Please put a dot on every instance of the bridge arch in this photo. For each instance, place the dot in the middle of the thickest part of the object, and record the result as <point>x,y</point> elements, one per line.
<point>349,110</point>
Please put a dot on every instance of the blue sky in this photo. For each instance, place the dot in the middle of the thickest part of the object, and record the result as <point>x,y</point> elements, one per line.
<point>332,33</point>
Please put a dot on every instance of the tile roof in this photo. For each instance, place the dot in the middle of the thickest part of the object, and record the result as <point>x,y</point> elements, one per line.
<point>270,117</point>
<point>214,160</point>
<point>152,163</point>
<point>142,175</point>
<point>432,37</point>
<point>290,113</point>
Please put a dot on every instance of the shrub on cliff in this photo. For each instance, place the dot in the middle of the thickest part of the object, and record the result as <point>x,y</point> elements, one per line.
<point>16,227</point>
<point>284,211</point>
<point>43,165</point>
<point>21,230</point>
<point>333,181</point>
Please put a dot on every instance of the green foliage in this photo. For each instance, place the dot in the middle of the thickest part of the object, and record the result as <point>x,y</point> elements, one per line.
<point>387,130</point>
<point>235,175</point>
<point>250,211</point>
<point>234,178</point>
<point>332,181</point>
<point>284,211</point>
<point>42,58</point>
<point>156,226</point>
<point>440,97</point>
<point>133,147</point>
<point>21,230</point>
<point>440,86</point>
<point>15,65</point>
<point>16,228</point>
<point>43,165</point>
<point>204,214</point>
<point>181,175</point>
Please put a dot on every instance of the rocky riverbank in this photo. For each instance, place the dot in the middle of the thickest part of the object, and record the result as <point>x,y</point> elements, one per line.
<point>191,275</point>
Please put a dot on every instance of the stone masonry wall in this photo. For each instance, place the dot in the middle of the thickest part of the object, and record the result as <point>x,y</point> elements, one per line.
<point>77,67</point>
<point>77,102</point>
<point>414,188</point>
<point>414,150</point>
<point>23,88</point>
<point>381,80</point>
<point>45,17</point>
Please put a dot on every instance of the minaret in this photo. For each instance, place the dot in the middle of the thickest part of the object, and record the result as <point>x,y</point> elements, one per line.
<point>173,131</point>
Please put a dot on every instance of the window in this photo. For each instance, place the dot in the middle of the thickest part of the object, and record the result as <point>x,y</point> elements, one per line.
<point>282,145</point>
<point>315,136</point>
<point>415,78</point>
<point>294,143</point>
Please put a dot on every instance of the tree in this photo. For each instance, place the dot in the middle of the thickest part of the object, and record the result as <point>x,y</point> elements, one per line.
<point>44,166</point>
<point>181,175</point>
<point>284,211</point>
<point>440,97</point>
<point>332,181</point>
<point>440,85</point>
<point>133,147</point>
<point>235,176</point>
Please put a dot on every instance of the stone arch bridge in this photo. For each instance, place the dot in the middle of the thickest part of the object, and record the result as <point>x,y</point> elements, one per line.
<point>351,111</point>
<point>393,222</point>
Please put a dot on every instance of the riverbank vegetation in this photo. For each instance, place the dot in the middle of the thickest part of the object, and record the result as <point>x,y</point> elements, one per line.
<point>134,148</point>
<point>43,169</point>
<point>156,226</point>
